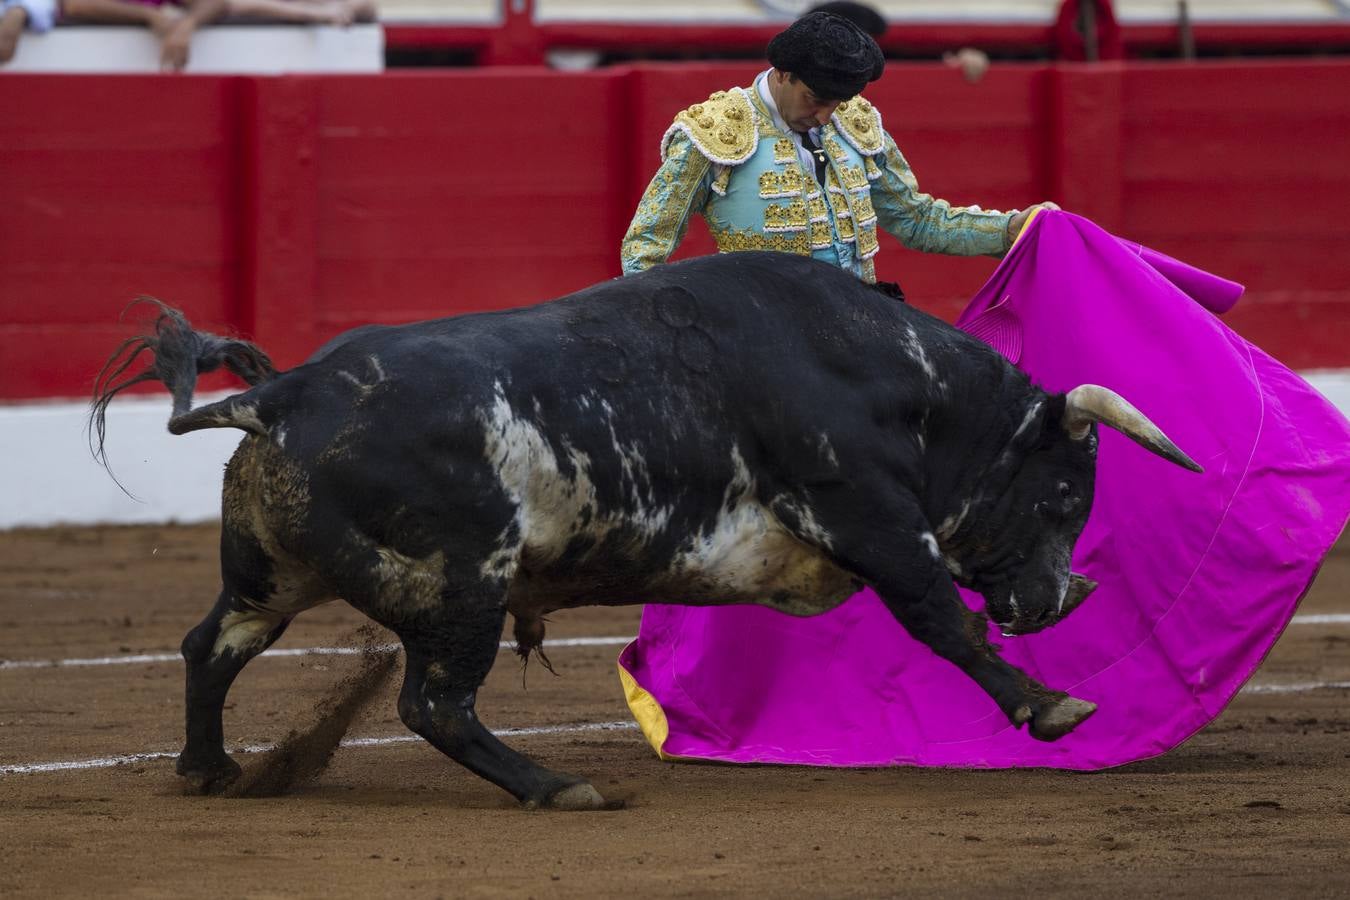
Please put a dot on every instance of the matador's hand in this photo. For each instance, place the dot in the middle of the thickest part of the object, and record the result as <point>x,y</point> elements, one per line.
<point>1016,222</point>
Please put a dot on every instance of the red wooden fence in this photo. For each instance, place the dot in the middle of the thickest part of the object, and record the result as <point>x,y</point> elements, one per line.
<point>290,208</point>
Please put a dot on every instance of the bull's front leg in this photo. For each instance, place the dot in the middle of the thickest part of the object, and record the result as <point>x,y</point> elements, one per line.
<point>941,621</point>
<point>890,547</point>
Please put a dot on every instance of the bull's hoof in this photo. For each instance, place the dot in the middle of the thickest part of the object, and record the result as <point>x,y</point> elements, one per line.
<point>579,796</point>
<point>213,777</point>
<point>1054,720</point>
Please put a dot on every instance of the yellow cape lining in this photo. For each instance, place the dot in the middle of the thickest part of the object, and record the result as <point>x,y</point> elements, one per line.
<point>651,718</point>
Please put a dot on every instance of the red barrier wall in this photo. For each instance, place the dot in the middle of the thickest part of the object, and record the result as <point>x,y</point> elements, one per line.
<point>291,208</point>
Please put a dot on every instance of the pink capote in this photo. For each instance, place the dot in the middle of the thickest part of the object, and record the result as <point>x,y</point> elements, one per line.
<point>1199,573</point>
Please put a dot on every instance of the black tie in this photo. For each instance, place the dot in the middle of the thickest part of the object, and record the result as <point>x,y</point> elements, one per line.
<point>818,153</point>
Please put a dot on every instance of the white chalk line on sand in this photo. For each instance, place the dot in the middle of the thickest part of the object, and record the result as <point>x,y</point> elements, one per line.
<point>1295,687</point>
<point>110,761</point>
<point>107,762</point>
<point>143,658</point>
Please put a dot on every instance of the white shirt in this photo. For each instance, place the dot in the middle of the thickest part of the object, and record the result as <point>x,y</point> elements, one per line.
<point>808,159</point>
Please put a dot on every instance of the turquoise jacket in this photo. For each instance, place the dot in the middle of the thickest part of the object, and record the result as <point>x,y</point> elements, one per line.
<point>727,160</point>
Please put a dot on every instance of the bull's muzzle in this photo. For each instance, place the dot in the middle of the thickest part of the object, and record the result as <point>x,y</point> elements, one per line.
<point>1075,593</point>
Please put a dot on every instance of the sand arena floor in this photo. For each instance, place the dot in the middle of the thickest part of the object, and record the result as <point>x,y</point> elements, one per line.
<point>1256,805</point>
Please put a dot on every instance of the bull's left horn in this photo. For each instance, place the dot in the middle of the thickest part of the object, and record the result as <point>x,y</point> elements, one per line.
<point>1090,403</point>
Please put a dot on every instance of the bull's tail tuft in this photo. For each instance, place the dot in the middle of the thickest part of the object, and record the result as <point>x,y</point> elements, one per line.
<point>179,354</point>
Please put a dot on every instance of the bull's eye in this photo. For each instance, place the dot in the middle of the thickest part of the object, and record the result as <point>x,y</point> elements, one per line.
<point>1065,490</point>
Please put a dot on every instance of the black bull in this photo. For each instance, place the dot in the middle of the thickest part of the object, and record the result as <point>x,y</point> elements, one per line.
<point>744,428</point>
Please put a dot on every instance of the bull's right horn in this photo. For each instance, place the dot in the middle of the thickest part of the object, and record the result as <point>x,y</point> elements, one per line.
<point>1090,403</point>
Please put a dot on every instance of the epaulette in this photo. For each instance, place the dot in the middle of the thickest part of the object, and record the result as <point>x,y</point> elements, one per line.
<point>860,124</point>
<point>722,127</point>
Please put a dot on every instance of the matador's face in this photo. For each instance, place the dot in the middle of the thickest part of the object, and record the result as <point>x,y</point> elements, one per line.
<point>798,104</point>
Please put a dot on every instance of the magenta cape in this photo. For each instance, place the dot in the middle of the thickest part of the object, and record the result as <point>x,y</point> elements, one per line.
<point>1199,573</point>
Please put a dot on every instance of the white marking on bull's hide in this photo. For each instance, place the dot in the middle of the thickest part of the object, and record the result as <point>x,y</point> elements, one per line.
<point>245,633</point>
<point>637,481</point>
<point>749,556</point>
<point>919,354</point>
<point>551,508</point>
<point>279,437</point>
<point>931,543</point>
<point>364,387</point>
<point>953,566</point>
<point>1012,601</point>
<point>950,524</point>
<point>245,415</point>
<point>1027,419</point>
<point>806,521</point>
<point>827,450</point>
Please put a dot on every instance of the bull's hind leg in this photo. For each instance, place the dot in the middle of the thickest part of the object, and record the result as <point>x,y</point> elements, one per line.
<point>447,662</point>
<point>263,590</point>
<point>215,652</point>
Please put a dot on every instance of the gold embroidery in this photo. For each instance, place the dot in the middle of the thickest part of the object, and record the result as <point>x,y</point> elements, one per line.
<point>723,127</point>
<point>869,271</point>
<point>837,153</point>
<point>860,124</point>
<point>787,183</point>
<point>783,151</point>
<point>789,217</point>
<point>873,171</point>
<point>862,207</point>
<point>723,178</point>
<point>842,216</point>
<point>820,236</point>
<point>867,241</point>
<point>817,209</point>
<point>853,177</point>
<point>663,213</point>
<point>736,241</point>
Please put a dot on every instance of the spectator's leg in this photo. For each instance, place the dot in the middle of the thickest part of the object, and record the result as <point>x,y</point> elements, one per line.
<point>12,22</point>
<point>314,12</point>
<point>362,10</point>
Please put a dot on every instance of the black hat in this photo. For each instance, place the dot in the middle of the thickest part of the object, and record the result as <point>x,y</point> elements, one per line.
<point>833,56</point>
<point>860,14</point>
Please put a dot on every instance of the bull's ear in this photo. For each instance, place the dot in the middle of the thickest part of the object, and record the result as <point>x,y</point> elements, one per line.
<point>1090,403</point>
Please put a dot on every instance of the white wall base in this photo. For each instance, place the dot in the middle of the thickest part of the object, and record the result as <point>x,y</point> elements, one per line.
<point>47,476</point>
<point>216,49</point>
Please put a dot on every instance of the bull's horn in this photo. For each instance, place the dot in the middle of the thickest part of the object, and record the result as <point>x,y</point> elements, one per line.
<point>1090,403</point>
<point>1077,591</point>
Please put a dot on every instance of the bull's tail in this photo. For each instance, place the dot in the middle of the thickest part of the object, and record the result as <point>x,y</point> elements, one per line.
<point>178,355</point>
